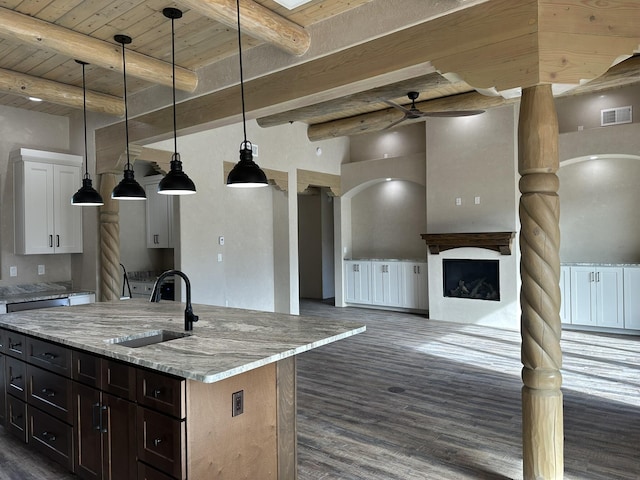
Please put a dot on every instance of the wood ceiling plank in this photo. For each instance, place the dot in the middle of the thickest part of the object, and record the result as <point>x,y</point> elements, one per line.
<point>56,9</point>
<point>30,7</point>
<point>314,11</point>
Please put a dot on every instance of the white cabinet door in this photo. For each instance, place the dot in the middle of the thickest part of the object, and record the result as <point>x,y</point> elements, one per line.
<point>159,210</point>
<point>416,289</point>
<point>387,283</point>
<point>632,298</point>
<point>609,300</point>
<point>357,282</point>
<point>597,296</point>
<point>565,294</point>
<point>45,220</point>
<point>583,297</point>
<point>67,218</point>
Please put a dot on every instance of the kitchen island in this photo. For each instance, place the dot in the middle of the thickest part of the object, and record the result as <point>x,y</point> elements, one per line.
<point>218,402</point>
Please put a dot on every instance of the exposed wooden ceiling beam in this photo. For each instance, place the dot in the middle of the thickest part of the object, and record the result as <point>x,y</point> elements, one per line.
<point>376,121</point>
<point>22,28</point>
<point>256,21</point>
<point>620,75</point>
<point>59,93</point>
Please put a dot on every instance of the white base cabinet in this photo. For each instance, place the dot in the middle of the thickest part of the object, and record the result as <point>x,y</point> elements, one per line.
<point>632,298</point>
<point>358,282</point>
<point>393,284</point>
<point>600,297</point>
<point>45,220</point>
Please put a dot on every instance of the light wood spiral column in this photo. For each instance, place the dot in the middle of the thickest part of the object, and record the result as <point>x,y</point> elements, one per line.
<point>542,417</point>
<point>110,272</point>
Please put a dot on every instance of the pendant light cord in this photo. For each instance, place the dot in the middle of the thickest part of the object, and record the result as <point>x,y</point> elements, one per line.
<point>84,109</point>
<point>126,113</point>
<point>173,77</point>
<point>244,120</point>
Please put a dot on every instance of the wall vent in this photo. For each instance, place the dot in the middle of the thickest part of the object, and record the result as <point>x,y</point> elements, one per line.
<point>615,116</point>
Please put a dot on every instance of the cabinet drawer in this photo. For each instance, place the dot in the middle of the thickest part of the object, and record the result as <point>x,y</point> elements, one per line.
<point>16,375</point>
<point>16,346</point>
<point>86,368</point>
<point>17,418</point>
<point>161,392</point>
<point>51,437</point>
<point>145,472</point>
<point>49,356</point>
<point>3,340</point>
<point>161,442</point>
<point>49,392</point>
<point>118,379</point>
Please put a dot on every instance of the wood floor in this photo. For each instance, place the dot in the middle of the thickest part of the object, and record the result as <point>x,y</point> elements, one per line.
<point>418,399</point>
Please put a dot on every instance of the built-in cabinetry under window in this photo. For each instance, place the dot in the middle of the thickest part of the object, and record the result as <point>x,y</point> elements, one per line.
<point>600,296</point>
<point>45,220</point>
<point>159,211</point>
<point>395,284</point>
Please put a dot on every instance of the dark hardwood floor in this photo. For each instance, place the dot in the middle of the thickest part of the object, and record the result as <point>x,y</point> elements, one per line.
<point>416,399</point>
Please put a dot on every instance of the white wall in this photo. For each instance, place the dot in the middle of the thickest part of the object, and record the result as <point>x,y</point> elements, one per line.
<point>23,128</point>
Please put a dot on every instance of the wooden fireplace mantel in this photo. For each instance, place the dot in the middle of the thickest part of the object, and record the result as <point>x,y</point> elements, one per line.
<point>497,241</point>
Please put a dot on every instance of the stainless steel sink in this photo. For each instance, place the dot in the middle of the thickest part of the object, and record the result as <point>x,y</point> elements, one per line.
<point>148,338</point>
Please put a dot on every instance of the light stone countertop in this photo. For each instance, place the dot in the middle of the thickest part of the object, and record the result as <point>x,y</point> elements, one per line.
<point>38,291</point>
<point>224,342</point>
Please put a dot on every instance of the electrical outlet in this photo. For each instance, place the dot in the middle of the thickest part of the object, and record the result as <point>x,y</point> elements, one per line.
<point>13,271</point>
<point>476,200</point>
<point>221,240</point>
<point>458,201</point>
<point>237,403</point>
<point>40,269</point>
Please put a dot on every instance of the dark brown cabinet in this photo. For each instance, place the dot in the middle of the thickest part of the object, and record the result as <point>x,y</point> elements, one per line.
<point>105,435</point>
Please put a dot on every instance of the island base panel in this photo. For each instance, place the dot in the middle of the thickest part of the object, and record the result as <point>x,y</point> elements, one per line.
<point>225,447</point>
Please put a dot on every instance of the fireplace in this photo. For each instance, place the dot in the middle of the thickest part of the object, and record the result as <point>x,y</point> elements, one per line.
<point>472,279</point>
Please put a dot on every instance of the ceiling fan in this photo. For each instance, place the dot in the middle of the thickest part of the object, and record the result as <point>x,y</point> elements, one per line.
<point>413,112</point>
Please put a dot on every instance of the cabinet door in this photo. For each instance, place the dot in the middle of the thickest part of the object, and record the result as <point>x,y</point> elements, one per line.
<point>159,218</point>
<point>88,454</point>
<point>3,392</point>
<point>565,294</point>
<point>357,282</point>
<point>67,228</point>
<point>36,196</point>
<point>118,438</point>
<point>609,300</point>
<point>386,283</point>
<point>631,298</point>
<point>583,296</point>
<point>415,286</point>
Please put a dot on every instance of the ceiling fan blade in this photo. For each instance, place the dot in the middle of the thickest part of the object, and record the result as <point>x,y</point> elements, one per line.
<point>404,110</point>
<point>452,113</point>
<point>393,124</point>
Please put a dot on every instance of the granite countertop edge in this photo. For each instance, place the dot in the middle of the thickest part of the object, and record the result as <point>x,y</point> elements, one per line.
<point>224,343</point>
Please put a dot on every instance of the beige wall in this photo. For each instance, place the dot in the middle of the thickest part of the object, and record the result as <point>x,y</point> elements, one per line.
<point>260,226</point>
<point>22,128</point>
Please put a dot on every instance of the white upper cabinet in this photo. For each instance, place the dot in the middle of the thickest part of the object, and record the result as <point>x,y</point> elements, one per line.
<point>159,210</point>
<point>45,220</point>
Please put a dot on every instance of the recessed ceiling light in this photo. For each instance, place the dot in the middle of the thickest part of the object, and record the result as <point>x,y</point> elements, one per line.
<point>291,4</point>
<point>35,99</point>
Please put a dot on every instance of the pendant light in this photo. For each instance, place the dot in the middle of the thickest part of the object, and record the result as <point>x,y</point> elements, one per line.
<point>176,182</point>
<point>128,188</point>
<point>246,173</point>
<point>86,196</point>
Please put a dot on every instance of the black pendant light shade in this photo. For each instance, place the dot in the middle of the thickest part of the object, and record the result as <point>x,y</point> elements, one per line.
<point>86,196</point>
<point>176,182</point>
<point>246,173</point>
<point>128,188</point>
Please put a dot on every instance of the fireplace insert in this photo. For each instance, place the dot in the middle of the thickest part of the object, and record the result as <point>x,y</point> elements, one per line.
<point>474,279</point>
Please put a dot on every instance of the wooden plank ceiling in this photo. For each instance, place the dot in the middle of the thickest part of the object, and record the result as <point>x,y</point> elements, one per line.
<point>40,39</point>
